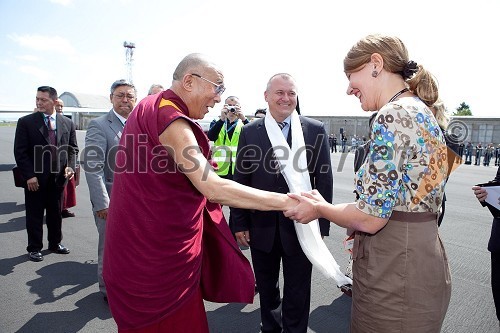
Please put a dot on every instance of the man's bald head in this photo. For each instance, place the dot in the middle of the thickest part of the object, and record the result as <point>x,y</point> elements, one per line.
<point>59,105</point>
<point>194,62</point>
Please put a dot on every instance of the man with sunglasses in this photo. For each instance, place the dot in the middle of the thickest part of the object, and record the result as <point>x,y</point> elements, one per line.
<point>168,246</point>
<point>101,143</point>
<point>225,134</point>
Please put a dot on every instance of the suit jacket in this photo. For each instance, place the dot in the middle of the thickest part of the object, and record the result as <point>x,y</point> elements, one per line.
<point>32,149</point>
<point>101,143</point>
<point>254,167</point>
<point>494,243</point>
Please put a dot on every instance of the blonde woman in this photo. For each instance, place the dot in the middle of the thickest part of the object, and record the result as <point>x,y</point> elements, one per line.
<point>401,276</point>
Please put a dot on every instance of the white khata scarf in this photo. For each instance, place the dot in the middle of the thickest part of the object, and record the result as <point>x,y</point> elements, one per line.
<point>298,181</point>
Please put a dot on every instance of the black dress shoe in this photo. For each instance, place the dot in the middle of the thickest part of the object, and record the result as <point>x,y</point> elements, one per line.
<point>35,256</point>
<point>61,249</point>
<point>66,213</point>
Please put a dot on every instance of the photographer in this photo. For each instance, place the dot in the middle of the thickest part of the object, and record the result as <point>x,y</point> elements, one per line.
<point>225,134</point>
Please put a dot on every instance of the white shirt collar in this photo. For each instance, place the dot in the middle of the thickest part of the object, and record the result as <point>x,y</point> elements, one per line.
<point>287,120</point>
<point>53,115</point>
<point>122,119</point>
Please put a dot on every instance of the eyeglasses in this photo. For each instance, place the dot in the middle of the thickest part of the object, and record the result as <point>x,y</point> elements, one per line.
<point>219,88</point>
<point>122,96</point>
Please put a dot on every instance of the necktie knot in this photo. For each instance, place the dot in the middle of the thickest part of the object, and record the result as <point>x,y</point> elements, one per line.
<point>282,125</point>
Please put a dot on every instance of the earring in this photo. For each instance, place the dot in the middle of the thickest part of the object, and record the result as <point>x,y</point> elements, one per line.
<point>374,73</point>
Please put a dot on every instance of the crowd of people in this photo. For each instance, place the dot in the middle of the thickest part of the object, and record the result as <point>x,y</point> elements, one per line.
<point>157,186</point>
<point>486,152</point>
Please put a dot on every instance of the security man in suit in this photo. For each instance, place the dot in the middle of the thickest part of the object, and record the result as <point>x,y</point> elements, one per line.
<point>101,146</point>
<point>494,242</point>
<point>271,236</point>
<point>45,150</point>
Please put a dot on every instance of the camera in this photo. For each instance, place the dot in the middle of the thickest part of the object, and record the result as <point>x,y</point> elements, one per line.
<point>232,108</point>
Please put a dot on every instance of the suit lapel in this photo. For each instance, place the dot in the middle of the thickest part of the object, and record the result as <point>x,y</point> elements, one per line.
<point>265,143</point>
<point>42,127</point>
<point>289,137</point>
<point>115,124</point>
<point>60,128</point>
<point>304,130</point>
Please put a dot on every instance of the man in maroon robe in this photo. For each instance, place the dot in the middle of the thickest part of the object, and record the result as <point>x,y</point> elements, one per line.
<point>167,243</point>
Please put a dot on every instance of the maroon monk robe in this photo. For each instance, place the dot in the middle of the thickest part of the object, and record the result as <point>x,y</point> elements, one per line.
<point>164,239</point>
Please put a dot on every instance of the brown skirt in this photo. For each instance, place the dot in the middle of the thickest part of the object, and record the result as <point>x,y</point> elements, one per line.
<point>402,281</point>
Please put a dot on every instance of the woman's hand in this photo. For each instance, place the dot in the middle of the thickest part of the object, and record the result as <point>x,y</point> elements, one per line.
<point>307,209</point>
<point>480,193</point>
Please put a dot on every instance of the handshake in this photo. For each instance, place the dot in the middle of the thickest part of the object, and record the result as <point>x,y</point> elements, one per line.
<point>306,208</point>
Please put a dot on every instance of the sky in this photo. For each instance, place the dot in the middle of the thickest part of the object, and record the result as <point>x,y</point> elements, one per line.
<point>77,46</point>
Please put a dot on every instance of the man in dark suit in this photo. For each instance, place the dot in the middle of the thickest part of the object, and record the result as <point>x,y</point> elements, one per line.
<point>494,242</point>
<point>271,236</point>
<point>45,150</point>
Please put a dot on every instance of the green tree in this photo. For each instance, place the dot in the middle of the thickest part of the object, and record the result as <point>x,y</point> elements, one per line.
<point>463,110</point>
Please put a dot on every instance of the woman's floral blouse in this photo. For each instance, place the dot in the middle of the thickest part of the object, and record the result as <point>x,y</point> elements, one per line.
<point>406,167</point>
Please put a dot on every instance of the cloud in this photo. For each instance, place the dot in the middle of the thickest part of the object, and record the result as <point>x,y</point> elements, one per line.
<point>5,62</point>
<point>40,74</point>
<point>28,57</point>
<point>44,43</point>
<point>62,2</point>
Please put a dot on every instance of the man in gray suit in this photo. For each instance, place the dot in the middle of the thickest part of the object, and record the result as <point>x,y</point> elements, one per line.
<point>101,142</point>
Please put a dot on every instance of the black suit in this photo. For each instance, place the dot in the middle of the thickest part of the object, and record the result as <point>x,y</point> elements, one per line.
<point>35,158</point>
<point>272,235</point>
<point>494,248</point>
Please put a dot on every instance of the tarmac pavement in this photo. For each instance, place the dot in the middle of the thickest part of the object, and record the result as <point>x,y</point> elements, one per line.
<point>60,294</point>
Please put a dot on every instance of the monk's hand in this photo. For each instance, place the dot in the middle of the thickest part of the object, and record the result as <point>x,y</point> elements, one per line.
<point>307,210</point>
<point>290,203</point>
<point>32,184</point>
<point>480,193</point>
<point>243,237</point>
<point>68,173</point>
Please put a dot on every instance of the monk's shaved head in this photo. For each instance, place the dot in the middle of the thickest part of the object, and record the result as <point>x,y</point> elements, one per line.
<point>193,62</point>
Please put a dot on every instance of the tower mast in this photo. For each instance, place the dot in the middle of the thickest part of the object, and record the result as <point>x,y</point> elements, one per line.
<point>129,53</point>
